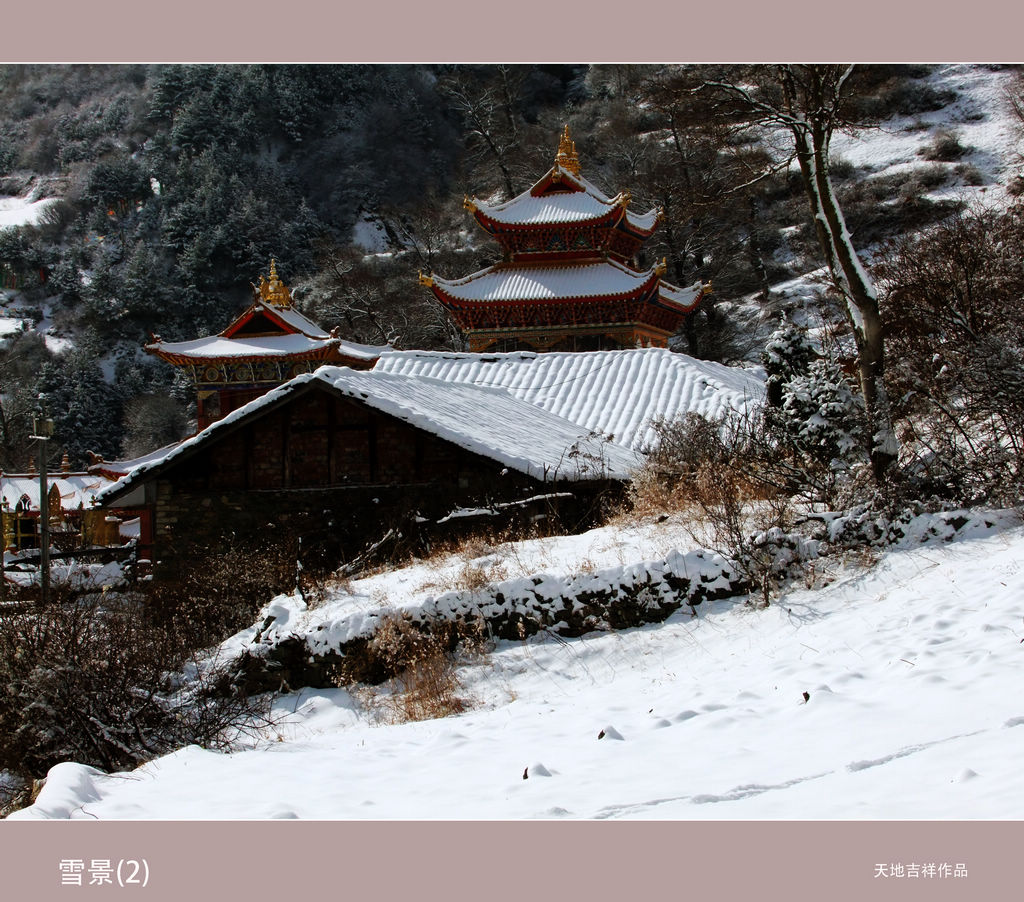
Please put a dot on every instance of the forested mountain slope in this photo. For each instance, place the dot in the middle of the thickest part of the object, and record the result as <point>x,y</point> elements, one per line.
<point>139,199</point>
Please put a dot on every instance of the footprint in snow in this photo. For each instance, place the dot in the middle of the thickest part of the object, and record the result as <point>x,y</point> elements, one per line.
<point>610,733</point>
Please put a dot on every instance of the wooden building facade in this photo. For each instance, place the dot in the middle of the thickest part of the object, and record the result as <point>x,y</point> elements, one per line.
<point>338,458</point>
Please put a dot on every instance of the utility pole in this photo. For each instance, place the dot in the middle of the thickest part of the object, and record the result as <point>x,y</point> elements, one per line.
<point>43,429</point>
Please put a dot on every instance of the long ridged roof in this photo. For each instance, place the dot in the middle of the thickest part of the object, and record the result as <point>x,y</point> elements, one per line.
<point>616,393</point>
<point>488,421</point>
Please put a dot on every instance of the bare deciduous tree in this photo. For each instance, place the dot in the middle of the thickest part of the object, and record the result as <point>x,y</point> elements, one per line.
<point>808,104</point>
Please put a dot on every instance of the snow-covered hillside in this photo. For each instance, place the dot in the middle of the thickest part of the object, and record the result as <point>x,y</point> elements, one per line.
<point>892,693</point>
<point>979,118</point>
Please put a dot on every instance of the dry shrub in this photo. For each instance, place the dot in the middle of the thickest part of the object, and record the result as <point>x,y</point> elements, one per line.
<point>730,478</point>
<point>424,662</point>
<point>475,572</point>
<point>208,593</point>
<point>93,680</point>
<point>944,148</point>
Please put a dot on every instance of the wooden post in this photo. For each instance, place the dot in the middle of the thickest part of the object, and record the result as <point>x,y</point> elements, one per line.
<point>43,429</point>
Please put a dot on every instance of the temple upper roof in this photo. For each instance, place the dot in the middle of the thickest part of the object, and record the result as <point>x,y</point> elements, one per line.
<point>563,196</point>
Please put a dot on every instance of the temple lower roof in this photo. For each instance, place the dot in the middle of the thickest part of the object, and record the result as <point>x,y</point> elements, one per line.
<point>558,281</point>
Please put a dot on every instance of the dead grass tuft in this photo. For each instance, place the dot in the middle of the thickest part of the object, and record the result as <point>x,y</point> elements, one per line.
<point>424,661</point>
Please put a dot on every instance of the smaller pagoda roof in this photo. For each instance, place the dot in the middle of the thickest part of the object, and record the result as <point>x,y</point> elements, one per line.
<point>556,281</point>
<point>219,347</point>
<point>269,327</point>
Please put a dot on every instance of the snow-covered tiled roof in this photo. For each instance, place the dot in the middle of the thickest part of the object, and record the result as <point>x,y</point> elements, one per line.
<point>616,393</point>
<point>516,282</point>
<point>487,421</point>
<point>292,318</point>
<point>584,201</point>
<point>76,489</point>
<point>216,346</point>
<point>683,297</point>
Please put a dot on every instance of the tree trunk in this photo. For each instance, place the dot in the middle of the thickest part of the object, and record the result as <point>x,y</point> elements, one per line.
<point>861,299</point>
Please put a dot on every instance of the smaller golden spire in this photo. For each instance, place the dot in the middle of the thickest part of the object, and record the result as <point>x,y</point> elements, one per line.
<point>468,203</point>
<point>566,157</point>
<point>65,463</point>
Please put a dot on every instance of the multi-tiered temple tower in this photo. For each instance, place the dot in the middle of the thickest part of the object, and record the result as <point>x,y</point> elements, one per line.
<point>569,278</point>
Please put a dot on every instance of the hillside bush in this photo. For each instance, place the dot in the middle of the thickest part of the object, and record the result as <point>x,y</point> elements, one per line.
<point>952,296</point>
<point>92,680</point>
<point>113,680</point>
<point>426,683</point>
<point>945,147</point>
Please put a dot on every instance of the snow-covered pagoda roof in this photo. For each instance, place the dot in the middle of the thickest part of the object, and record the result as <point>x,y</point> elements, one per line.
<point>621,394</point>
<point>269,327</point>
<point>487,421</point>
<point>563,196</point>
<point>562,281</point>
<point>219,347</point>
<point>576,201</point>
<point>554,281</point>
<point>569,275</point>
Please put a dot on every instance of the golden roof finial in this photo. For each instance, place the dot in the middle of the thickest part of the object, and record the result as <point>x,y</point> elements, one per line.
<point>426,280</point>
<point>566,157</point>
<point>274,292</point>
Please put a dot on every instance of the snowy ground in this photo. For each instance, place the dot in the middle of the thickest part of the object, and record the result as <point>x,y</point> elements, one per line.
<point>20,211</point>
<point>912,711</point>
<point>980,117</point>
